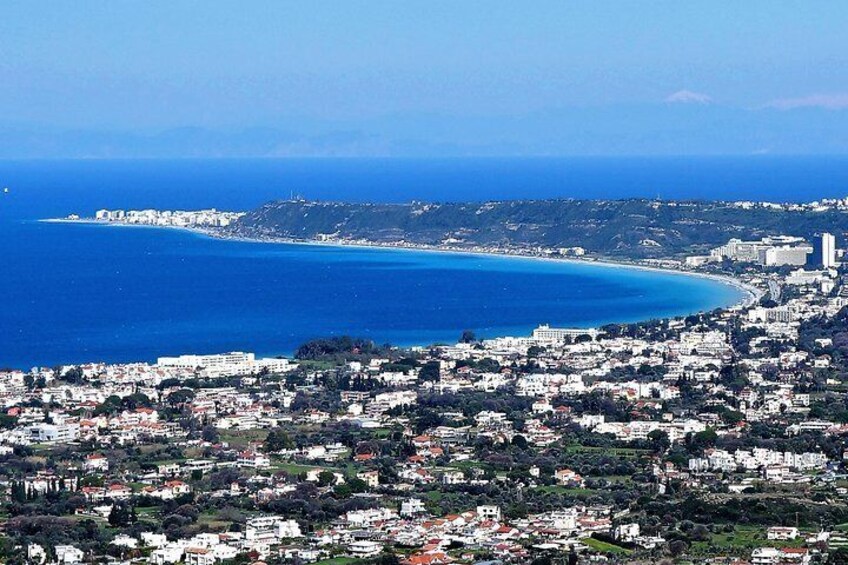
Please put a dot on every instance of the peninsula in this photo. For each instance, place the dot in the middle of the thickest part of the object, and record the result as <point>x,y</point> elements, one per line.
<point>716,239</point>
<point>629,229</point>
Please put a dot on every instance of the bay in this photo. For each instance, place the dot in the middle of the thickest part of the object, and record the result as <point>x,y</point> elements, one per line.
<point>74,293</point>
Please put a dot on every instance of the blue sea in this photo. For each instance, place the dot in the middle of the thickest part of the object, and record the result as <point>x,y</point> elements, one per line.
<point>77,293</point>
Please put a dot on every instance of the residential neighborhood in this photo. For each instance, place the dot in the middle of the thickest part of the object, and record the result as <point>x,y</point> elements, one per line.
<point>642,442</point>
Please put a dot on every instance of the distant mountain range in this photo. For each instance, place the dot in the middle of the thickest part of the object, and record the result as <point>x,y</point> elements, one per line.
<point>633,228</point>
<point>672,128</point>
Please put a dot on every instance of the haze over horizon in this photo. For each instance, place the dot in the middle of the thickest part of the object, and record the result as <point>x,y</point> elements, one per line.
<point>268,79</point>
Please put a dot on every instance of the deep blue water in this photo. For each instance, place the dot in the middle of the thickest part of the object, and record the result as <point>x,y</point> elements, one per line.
<point>73,293</point>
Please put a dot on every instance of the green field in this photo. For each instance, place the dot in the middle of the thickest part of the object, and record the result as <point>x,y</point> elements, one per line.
<point>241,438</point>
<point>623,452</point>
<point>297,468</point>
<point>562,489</point>
<point>148,513</point>
<point>467,464</point>
<point>211,521</point>
<point>740,541</point>
<point>604,547</point>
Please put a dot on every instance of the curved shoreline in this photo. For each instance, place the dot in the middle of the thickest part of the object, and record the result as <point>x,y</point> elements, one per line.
<point>750,293</point>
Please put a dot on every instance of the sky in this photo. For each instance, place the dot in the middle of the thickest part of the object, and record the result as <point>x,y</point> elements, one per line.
<point>467,77</point>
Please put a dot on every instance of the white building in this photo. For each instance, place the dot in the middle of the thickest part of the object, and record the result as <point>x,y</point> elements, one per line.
<point>53,433</point>
<point>66,554</point>
<point>782,533</point>
<point>365,548</point>
<point>171,553</point>
<point>769,251</point>
<point>411,507</point>
<point>489,512</point>
<point>784,255</point>
<point>150,539</point>
<point>627,532</point>
<point>270,529</point>
<point>36,554</point>
<point>546,333</point>
<point>225,364</point>
<point>95,462</point>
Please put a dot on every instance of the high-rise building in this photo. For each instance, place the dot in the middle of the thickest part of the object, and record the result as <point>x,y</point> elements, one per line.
<point>824,251</point>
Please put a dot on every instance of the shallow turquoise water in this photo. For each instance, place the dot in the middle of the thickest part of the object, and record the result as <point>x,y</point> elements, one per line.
<point>84,293</point>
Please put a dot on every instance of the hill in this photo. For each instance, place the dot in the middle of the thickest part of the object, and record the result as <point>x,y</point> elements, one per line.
<point>632,228</point>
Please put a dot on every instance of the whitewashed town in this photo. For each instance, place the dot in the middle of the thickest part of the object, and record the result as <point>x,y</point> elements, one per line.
<point>163,218</point>
<point>720,437</point>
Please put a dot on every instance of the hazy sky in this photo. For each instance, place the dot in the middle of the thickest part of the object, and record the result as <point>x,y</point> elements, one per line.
<point>145,66</point>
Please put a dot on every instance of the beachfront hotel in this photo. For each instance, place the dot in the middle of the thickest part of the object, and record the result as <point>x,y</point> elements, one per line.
<point>546,333</point>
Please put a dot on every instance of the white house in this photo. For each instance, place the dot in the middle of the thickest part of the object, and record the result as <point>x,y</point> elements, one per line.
<point>67,554</point>
<point>168,554</point>
<point>365,548</point>
<point>782,533</point>
<point>150,539</point>
<point>411,507</point>
<point>489,512</point>
<point>96,462</point>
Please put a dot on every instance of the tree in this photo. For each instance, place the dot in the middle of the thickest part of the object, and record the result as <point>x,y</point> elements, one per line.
<point>18,491</point>
<point>210,434</point>
<point>838,556</point>
<point>224,478</point>
<point>326,478</point>
<point>277,440</point>
<point>111,405</point>
<point>699,533</point>
<point>388,559</point>
<point>73,376</point>
<point>168,383</point>
<point>342,491</point>
<point>659,441</point>
<point>121,515</point>
<point>180,397</point>
<point>488,365</point>
<point>136,400</point>
<point>335,347</point>
<point>702,440</point>
<point>677,547</point>
<point>467,336</point>
<point>87,529</point>
<point>428,418</point>
<point>430,371</point>
<point>357,485</point>
<point>535,350</point>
